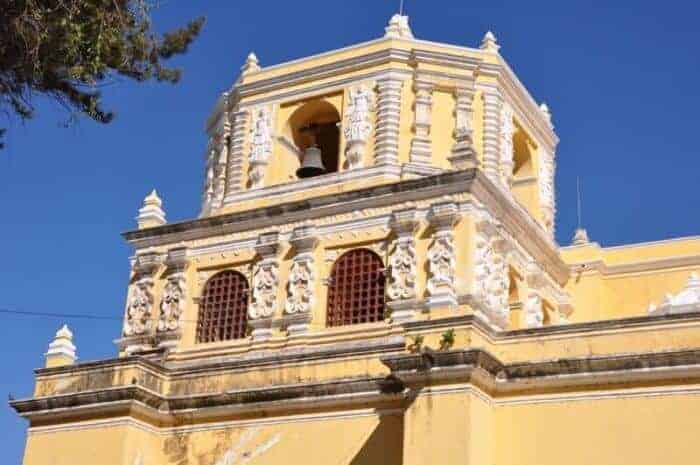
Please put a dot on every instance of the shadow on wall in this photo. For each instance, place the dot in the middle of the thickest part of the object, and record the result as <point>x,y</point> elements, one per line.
<point>385,445</point>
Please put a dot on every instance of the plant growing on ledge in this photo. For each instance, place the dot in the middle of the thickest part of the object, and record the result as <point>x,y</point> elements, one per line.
<point>416,343</point>
<point>447,340</point>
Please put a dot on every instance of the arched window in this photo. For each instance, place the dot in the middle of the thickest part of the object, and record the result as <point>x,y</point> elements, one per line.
<point>223,309</point>
<point>315,124</point>
<point>356,289</point>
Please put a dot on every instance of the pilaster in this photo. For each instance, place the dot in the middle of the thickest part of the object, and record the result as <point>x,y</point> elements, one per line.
<point>358,125</point>
<point>442,256</point>
<point>546,189</point>
<point>492,132</point>
<point>420,144</point>
<point>506,158</point>
<point>260,147</point>
<point>463,153</point>
<point>173,299</point>
<point>301,288</point>
<point>388,120</point>
<point>265,284</point>
<point>139,319</point>
<point>239,130</point>
<point>402,266</point>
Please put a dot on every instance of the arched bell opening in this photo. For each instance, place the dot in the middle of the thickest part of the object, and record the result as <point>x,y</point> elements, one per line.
<point>316,134</point>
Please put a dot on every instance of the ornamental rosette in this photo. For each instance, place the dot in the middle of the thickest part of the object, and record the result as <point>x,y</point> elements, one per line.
<point>265,282</point>
<point>441,257</point>
<point>402,276</point>
<point>172,305</point>
<point>138,316</point>
<point>300,288</point>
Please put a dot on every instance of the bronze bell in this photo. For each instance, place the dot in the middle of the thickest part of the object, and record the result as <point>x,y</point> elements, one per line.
<point>312,165</point>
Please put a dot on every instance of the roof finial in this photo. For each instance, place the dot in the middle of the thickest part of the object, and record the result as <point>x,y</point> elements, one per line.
<point>251,64</point>
<point>398,27</point>
<point>489,43</point>
<point>61,350</point>
<point>151,213</point>
<point>544,108</point>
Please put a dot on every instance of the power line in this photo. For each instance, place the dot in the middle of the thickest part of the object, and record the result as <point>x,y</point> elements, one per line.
<point>66,316</point>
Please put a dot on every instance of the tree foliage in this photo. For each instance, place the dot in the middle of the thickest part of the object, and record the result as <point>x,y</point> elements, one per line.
<point>67,49</point>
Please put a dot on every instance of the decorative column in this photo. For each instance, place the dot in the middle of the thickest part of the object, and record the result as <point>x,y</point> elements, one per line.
<point>402,267</point>
<point>265,285</point>
<point>463,153</point>
<point>546,188</point>
<point>507,129</point>
<point>441,255</point>
<point>492,133</point>
<point>420,145</point>
<point>491,283</point>
<point>301,288</point>
<point>386,145</point>
<point>239,126</point>
<point>358,125</point>
<point>260,147</point>
<point>139,319</point>
<point>172,303</point>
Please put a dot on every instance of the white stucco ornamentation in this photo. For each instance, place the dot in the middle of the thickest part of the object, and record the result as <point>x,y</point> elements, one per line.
<point>398,28</point>
<point>533,312</point>
<point>140,308</point>
<point>358,125</point>
<point>546,188</point>
<point>463,154</point>
<point>421,150</point>
<point>386,133</point>
<point>402,277</point>
<point>441,255</point>
<point>151,214</point>
<point>686,301</point>
<point>265,282</point>
<point>300,294</point>
<point>172,304</point>
<point>507,130</point>
<point>491,275</point>
<point>260,147</point>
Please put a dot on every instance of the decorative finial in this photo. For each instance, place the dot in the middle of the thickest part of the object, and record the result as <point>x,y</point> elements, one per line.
<point>686,301</point>
<point>580,237</point>
<point>151,213</point>
<point>251,64</point>
<point>489,43</point>
<point>545,111</point>
<point>398,28</point>
<point>61,350</point>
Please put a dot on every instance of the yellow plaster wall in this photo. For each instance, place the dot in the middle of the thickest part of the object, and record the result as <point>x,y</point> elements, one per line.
<point>640,430</point>
<point>442,128</point>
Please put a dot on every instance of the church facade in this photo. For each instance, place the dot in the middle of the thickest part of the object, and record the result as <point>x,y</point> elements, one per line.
<point>373,279</point>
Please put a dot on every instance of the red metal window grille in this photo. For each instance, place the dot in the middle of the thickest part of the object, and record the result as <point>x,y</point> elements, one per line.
<point>223,309</point>
<point>356,289</point>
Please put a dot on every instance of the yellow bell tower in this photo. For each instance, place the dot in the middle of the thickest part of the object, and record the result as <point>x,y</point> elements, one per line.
<point>373,279</point>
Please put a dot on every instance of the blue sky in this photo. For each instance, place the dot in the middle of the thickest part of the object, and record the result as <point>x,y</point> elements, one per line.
<point>621,82</point>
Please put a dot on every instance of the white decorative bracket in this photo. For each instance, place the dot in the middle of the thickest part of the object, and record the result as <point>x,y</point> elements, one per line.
<point>301,288</point>
<point>265,286</point>
<point>173,299</point>
<point>402,266</point>
<point>442,256</point>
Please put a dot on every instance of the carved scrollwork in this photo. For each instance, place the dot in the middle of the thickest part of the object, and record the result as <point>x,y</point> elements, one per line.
<point>358,126</point>
<point>260,146</point>
<point>402,271</point>
<point>265,281</point>
<point>441,257</point>
<point>140,308</point>
<point>491,279</point>
<point>300,288</point>
<point>172,304</point>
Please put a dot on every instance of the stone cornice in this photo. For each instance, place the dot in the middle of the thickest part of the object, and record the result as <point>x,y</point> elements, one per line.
<point>407,372</point>
<point>516,221</point>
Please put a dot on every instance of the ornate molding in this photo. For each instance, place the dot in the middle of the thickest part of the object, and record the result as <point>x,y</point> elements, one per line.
<point>490,288</point>
<point>533,312</point>
<point>507,130</point>
<point>265,285</point>
<point>358,126</point>
<point>239,125</point>
<point>402,265</point>
<point>260,147</point>
<point>301,288</point>
<point>441,255</point>
<point>173,299</point>
<point>546,189</point>
<point>493,103</point>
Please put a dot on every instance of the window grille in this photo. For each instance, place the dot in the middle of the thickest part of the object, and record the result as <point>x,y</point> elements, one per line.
<point>356,289</point>
<point>223,308</point>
